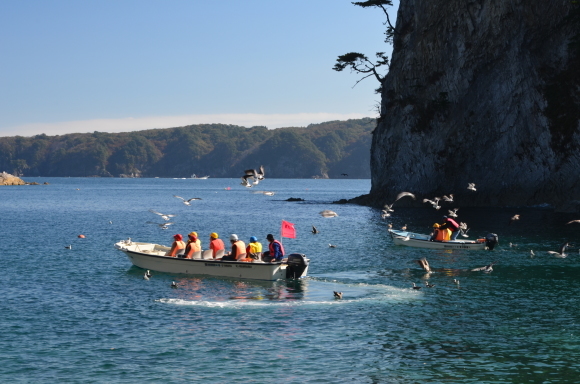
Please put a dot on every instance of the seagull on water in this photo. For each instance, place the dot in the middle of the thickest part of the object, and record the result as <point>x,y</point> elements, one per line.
<point>328,213</point>
<point>163,216</point>
<point>561,253</point>
<point>416,287</point>
<point>456,282</point>
<point>187,202</point>
<point>331,246</point>
<point>68,246</point>
<point>337,295</point>
<point>487,269</point>
<point>315,230</point>
<point>429,285</point>
<point>145,276</point>
<point>148,273</point>
<point>174,285</point>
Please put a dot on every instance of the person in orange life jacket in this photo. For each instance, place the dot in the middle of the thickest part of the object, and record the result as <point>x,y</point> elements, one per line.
<point>275,250</point>
<point>193,245</point>
<point>449,223</point>
<point>215,243</point>
<point>177,245</point>
<point>238,249</point>
<point>436,232</point>
<point>439,234</point>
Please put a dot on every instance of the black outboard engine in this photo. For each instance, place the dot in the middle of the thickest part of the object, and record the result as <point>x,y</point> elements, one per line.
<point>491,240</point>
<point>297,264</point>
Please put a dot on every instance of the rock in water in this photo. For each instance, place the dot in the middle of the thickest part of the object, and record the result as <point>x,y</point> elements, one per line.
<point>8,179</point>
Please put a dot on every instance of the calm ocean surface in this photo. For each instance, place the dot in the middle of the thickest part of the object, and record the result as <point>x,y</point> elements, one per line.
<point>86,315</point>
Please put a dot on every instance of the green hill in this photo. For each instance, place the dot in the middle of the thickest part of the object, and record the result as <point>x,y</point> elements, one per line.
<point>320,150</point>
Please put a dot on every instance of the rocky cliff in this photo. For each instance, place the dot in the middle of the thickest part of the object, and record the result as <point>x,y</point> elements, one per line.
<point>484,92</point>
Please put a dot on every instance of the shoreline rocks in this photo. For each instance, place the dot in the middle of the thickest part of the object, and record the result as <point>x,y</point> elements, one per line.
<point>8,179</point>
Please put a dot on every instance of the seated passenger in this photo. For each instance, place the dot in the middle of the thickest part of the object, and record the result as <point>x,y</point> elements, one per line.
<point>193,245</point>
<point>177,246</point>
<point>238,249</point>
<point>275,250</point>
<point>215,243</point>
<point>254,249</point>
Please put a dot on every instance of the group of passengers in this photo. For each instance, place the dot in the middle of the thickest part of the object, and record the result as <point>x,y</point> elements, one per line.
<point>446,231</point>
<point>239,250</point>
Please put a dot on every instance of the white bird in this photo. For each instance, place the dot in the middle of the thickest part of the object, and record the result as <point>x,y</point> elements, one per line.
<point>148,273</point>
<point>174,285</point>
<point>403,194</point>
<point>429,285</point>
<point>385,214</point>
<point>423,263</point>
<point>487,269</point>
<point>532,254</point>
<point>416,287</point>
<point>434,202</point>
<point>471,186</point>
<point>331,246</point>
<point>162,225</point>
<point>573,221</point>
<point>187,202</point>
<point>514,218</point>
<point>163,216</point>
<point>561,253</point>
<point>456,281</point>
<point>328,213</point>
<point>453,213</point>
<point>145,277</point>
<point>388,208</point>
<point>449,198</point>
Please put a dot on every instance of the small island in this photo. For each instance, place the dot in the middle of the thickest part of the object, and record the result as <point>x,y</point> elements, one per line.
<point>8,179</point>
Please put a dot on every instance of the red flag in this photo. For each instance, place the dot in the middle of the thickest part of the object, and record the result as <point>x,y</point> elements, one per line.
<point>288,230</point>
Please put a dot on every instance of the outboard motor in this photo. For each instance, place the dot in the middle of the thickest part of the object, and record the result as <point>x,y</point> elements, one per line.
<point>297,264</point>
<point>491,240</point>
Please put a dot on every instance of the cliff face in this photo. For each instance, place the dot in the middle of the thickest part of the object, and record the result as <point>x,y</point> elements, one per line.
<point>485,92</point>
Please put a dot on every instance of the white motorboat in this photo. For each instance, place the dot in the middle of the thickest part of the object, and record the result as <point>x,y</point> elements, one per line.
<point>152,256</point>
<point>418,240</point>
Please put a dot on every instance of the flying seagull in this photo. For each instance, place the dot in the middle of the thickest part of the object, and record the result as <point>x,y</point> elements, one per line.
<point>434,202</point>
<point>514,218</point>
<point>449,198</point>
<point>423,263</point>
<point>453,213</point>
<point>163,216</point>
<point>187,202</point>
<point>573,221</point>
<point>162,225</point>
<point>471,186</point>
<point>337,295</point>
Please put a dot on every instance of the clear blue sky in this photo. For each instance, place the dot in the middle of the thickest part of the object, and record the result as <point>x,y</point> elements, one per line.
<point>80,66</point>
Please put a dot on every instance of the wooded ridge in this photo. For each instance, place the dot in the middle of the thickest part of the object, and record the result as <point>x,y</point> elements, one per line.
<point>326,150</point>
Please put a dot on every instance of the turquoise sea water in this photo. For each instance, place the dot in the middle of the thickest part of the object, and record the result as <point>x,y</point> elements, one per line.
<point>86,315</point>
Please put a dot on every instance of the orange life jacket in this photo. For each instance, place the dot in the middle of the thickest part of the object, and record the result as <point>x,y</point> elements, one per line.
<point>176,247</point>
<point>238,248</point>
<point>191,248</point>
<point>442,234</point>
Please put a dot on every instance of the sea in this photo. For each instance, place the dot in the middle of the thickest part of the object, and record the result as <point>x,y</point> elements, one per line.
<point>86,315</point>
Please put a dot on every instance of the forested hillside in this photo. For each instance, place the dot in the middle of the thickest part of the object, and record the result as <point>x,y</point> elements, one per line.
<point>323,150</point>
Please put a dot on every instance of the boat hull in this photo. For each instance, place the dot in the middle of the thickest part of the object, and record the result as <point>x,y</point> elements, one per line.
<point>417,240</point>
<point>151,256</point>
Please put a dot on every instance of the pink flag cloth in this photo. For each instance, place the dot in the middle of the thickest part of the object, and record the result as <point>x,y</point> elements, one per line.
<point>288,230</point>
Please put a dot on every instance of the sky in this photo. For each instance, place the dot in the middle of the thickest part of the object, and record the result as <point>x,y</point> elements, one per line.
<point>124,65</point>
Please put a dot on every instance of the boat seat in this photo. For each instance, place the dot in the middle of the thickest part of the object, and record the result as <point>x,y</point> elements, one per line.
<point>207,254</point>
<point>196,255</point>
<point>180,252</point>
<point>219,254</point>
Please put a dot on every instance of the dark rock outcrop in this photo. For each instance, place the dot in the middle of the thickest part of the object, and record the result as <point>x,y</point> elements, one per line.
<point>484,92</point>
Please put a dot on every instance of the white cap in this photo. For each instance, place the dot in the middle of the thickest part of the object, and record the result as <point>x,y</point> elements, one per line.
<point>234,237</point>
